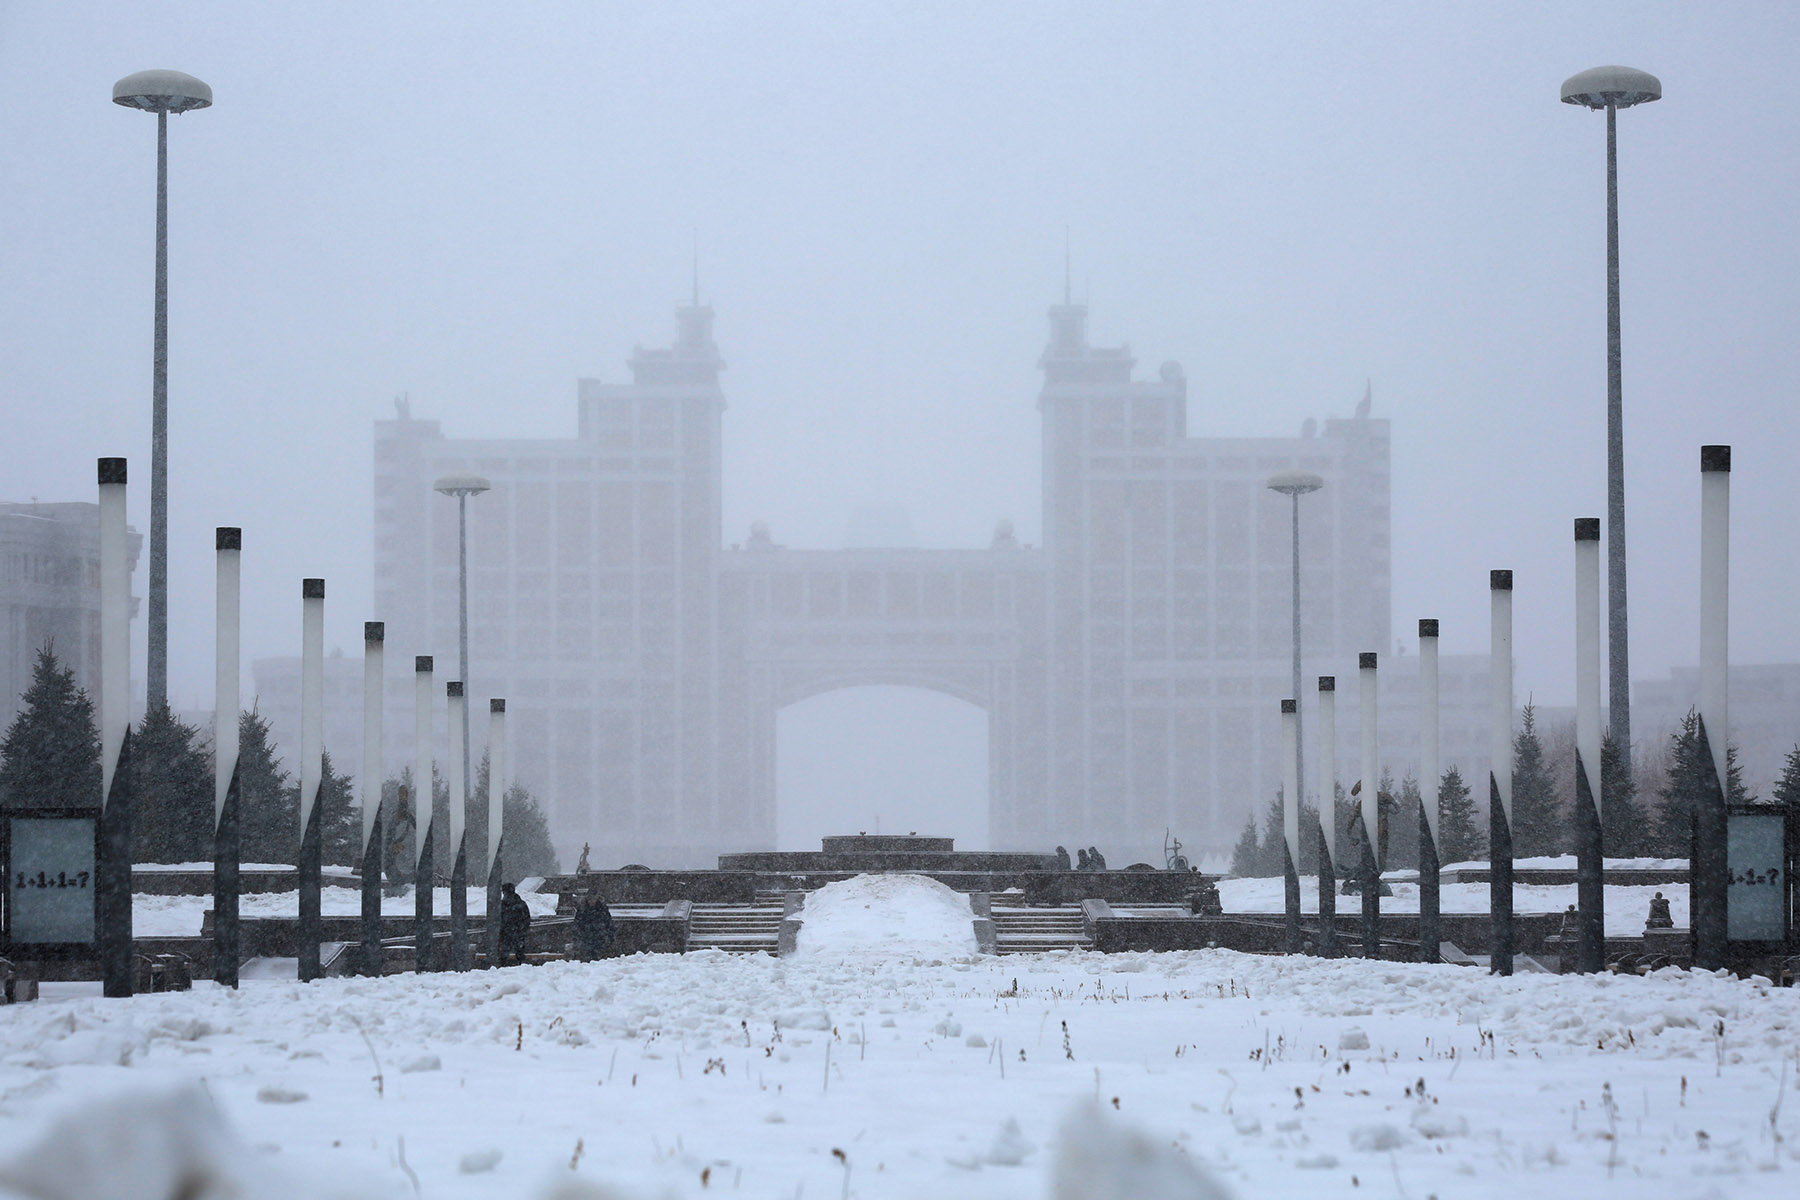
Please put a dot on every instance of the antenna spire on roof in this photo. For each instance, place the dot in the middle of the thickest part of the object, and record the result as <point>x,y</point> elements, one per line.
<point>696,266</point>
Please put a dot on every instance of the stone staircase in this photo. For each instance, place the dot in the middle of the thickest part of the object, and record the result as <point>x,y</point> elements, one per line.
<point>742,928</point>
<point>1019,929</point>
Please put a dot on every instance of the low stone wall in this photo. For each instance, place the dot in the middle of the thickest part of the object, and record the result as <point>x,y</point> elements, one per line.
<point>654,887</point>
<point>922,862</point>
<point>150,881</point>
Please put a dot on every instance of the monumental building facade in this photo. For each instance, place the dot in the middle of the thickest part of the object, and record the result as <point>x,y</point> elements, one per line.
<point>1129,666</point>
<point>50,593</point>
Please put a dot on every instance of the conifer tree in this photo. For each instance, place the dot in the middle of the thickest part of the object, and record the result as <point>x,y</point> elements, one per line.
<point>172,817</point>
<point>1246,856</point>
<point>1690,767</point>
<point>50,757</point>
<point>526,849</point>
<point>1787,794</point>
<point>1539,825</point>
<point>268,806</point>
<point>1402,817</point>
<point>340,817</point>
<point>1624,826</point>
<point>1461,833</point>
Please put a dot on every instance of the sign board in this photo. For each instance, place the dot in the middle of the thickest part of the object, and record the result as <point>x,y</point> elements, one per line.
<point>50,881</point>
<point>1756,890</point>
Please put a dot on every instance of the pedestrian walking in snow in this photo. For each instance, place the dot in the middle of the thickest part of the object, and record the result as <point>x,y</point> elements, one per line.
<point>515,923</point>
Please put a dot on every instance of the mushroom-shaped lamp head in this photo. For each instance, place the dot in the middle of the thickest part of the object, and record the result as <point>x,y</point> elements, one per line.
<point>1619,87</point>
<point>461,485</point>
<point>162,91</point>
<point>1295,483</point>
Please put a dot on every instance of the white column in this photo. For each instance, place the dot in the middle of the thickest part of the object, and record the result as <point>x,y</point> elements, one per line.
<point>374,670</point>
<point>1500,689</point>
<point>1715,596</point>
<point>496,794</point>
<point>459,813</point>
<point>114,709</point>
<point>1325,774</point>
<point>422,699</point>
<point>1290,780</point>
<point>1429,771</point>
<point>227,666</point>
<point>1371,757</point>
<point>1587,652</point>
<point>312,695</point>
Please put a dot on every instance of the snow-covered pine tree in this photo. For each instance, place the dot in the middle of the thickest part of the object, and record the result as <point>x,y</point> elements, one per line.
<point>50,757</point>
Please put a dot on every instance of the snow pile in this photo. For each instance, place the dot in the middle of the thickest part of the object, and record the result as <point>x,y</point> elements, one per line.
<point>1101,1158</point>
<point>142,1143</point>
<point>886,916</point>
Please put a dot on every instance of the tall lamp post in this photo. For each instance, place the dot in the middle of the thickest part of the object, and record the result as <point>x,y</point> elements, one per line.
<point>461,487</point>
<point>1293,485</point>
<point>160,92</point>
<point>1613,88</point>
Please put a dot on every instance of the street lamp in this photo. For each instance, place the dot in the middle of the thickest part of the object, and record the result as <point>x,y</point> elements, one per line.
<point>1295,484</point>
<point>462,487</point>
<point>160,92</point>
<point>1613,88</point>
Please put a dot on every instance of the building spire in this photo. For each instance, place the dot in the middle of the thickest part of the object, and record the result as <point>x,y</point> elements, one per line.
<point>696,266</point>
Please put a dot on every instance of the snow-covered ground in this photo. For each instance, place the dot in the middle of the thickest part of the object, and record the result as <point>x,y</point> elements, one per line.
<point>920,1073</point>
<point>1627,906</point>
<point>181,916</point>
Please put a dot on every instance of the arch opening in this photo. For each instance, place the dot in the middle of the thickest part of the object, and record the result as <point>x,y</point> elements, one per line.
<point>881,758</point>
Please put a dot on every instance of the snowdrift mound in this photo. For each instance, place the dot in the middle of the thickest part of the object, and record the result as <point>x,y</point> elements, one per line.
<point>886,916</point>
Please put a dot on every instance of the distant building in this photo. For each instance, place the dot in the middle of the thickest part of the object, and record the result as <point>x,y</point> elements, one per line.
<point>50,593</point>
<point>1763,703</point>
<point>1130,667</point>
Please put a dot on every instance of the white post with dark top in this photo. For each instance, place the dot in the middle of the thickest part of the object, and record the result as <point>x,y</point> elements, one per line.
<point>1590,894</point>
<point>1290,819</point>
<point>228,545</point>
<point>457,711</point>
<point>1707,868</point>
<point>496,802</point>
<point>374,676</point>
<point>423,871</point>
<point>112,878</point>
<point>1370,812</point>
<point>312,771</point>
<point>1326,775</point>
<point>1431,927</point>
<point>1500,791</point>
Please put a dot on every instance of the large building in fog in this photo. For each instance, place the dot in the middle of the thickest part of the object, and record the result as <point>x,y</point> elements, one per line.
<point>1130,667</point>
<point>50,594</point>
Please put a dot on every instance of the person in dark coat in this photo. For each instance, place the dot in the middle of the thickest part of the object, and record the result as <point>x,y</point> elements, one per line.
<point>1062,859</point>
<point>515,923</point>
<point>1096,860</point>
<point>593,927</point>
<point>1081,860</point>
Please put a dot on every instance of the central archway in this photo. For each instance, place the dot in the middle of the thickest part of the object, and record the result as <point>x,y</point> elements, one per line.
<point>884,757</point>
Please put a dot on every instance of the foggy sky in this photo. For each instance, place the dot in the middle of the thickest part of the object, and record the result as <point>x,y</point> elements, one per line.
<point>475,205</point>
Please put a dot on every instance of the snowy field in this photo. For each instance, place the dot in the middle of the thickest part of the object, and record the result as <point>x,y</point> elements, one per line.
<point>182,916</point>
<point>884,1061</point>
<point>1627,905</point>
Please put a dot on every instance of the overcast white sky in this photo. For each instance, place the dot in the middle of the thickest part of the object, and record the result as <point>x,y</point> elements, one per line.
<point>476,204</point>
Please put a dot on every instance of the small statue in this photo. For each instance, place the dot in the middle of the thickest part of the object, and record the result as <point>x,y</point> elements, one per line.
<point>582,868</point>
<point>1203,900</point>
<point>1062,858</point>
<point>1659,914</point>
<point>1096,860</point>
<point>1081,860</point>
